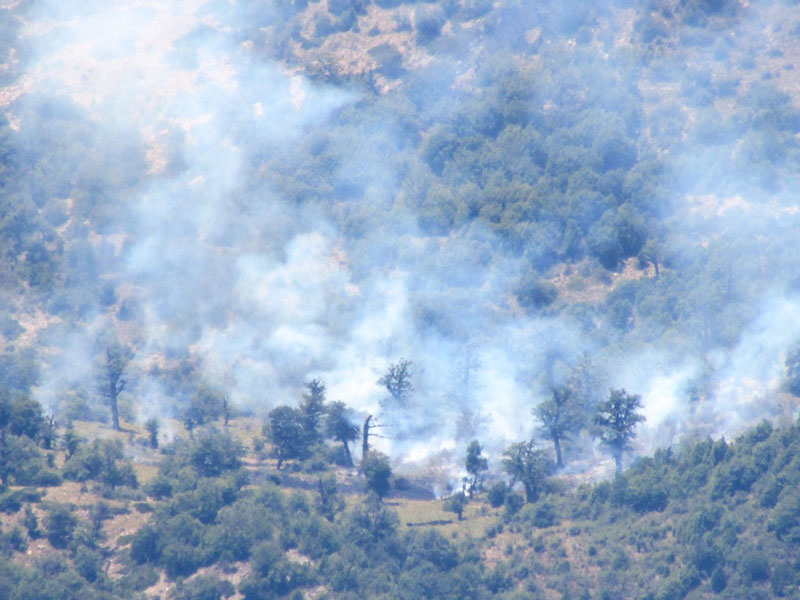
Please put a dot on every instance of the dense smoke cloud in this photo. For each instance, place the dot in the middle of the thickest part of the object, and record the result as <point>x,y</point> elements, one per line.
<point>261,292</point>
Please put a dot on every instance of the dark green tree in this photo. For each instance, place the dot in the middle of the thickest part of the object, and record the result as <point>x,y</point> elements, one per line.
<point>59,525</point>
<point>561,416</point>
<point>48,432</point>
<point>378,473</point>
<point>287,434</point>
<point>71,442</point>
<point>215,452</point>
<point>397,381</point>
<point>152,427</point>
<point>31,523</point>
<point>528,465</point>
<point>476,464</point>
<point>23,416</point>
<point>205,405</point>
<point>456,504</point>
<point>616,419</point>
<point>20,460</point>
<point>328,502</point>
<point>312,410</point>
<point>111,381</point>
<point>339,427</point>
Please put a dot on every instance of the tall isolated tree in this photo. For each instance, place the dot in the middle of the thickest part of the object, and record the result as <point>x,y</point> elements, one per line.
<point>397,381</point>
<point>616,419</point>
<point>339,427</point>
<point>328,502</point>
<point>369,430</point>
<point>312,410</point>
<point>366,431</point>
<point>456,504</point>
<point>476,464</point>
<point>529,465</point>
<point>286,433</point>
<point>112,380</point>
<point>561,416</point>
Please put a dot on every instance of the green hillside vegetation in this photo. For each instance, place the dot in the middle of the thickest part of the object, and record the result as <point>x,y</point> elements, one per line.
<point>707,519</point>
<point>612,181</point>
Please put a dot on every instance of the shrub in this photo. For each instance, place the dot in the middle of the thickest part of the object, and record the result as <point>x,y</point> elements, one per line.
<point>203,587</point>
<point>542,515</point>
<point>754,566</point>
<point>513,502</point>
<point>59,525</point>
<point>719,580</point>
<point>497,494</point>
<point>145,545</point>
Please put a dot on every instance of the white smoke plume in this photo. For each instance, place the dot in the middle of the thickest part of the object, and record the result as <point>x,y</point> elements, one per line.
<point>184,117</point>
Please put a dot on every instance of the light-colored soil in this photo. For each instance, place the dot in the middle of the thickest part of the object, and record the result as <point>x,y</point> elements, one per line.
<point>579,283</point>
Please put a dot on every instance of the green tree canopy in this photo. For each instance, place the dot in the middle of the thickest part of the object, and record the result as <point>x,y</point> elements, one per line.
<point>476,464</point>
<point>312,410</point>
<point>287,434</point>
<point>616,419</point>
<point>397,381</point>
<point>378,472</point>
<point>339,427</point>
<point>561,416</point>
<point>528,465</point>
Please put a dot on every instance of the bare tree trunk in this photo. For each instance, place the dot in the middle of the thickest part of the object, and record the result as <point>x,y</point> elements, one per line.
<point>226,410</point>
<point>347,455</point>
<point>557,443</point>
<point>365,438</point>
<point>114,409</point>
<point>530,493</point>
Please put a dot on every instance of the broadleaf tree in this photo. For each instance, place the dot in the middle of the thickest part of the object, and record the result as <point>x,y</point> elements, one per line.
<point>529,465</point>
<point>397,381</point>
<point>112,379</point>
<point>286,433</point>
<point>616,419</point>
<point>561,416</point>
<point>476,464</point>
<point>339,428</point>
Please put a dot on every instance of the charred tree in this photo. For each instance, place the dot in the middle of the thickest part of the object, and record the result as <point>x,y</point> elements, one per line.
<point>367,432</point>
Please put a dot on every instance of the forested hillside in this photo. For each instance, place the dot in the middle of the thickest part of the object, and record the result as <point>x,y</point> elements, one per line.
<point>390,299</point>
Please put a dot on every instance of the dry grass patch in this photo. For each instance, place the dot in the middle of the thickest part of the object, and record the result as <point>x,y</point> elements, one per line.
<point>478,517</point>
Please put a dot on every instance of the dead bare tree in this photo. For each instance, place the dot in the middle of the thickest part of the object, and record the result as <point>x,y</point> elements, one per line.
<point>367,432</point>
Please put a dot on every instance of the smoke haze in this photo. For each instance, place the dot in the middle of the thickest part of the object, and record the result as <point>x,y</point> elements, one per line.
<point>185,155</point>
